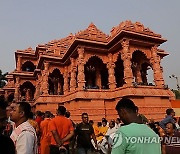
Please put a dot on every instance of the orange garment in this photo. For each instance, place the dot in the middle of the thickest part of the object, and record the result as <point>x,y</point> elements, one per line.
<point>96,130</point>
<point>102,132</point>
<point>62,125</point>
<point>45,136</point>
<point>38,120</point>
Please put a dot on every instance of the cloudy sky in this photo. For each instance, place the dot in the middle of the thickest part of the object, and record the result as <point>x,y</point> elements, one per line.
<point>27,23</point>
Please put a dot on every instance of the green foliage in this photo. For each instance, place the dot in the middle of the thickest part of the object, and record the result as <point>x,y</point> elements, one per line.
<point>177,93</point>
<point>2,79</point>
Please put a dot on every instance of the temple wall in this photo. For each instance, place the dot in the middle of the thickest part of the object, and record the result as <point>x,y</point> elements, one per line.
<point>152,107</point>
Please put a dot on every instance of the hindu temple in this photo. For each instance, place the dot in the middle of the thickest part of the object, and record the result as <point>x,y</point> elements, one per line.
<point>90,71</point>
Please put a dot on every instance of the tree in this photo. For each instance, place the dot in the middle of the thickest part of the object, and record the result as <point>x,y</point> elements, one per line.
<point>177,93</point>
<point>2,79</point>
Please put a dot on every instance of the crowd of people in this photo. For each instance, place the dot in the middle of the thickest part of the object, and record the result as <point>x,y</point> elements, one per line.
<point>24,132</point>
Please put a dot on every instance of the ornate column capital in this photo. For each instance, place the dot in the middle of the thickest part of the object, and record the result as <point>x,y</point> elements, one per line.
<point>111,66</point>
<point>46,66</point>
<point>110,63</point>
<point>81,55</point>
<point>125,43</point>
<point>80,51</point>
<point>125,52</point>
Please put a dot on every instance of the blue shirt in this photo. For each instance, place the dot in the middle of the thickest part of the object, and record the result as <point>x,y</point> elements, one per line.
<point>168,119</point>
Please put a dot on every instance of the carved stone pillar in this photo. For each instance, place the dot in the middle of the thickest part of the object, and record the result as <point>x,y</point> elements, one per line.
<point>44,81</point>
<point>65,80</point>
<point>81,76</point>
<point>155,61</point>
<point>16,93</point>
<point>19,62</point>
<point>73,75</point>
<point>111,66</point>
<point>38,86</point>
<point>126,57</point>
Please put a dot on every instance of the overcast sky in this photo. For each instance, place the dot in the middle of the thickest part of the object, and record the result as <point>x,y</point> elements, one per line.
<point>27,23</point>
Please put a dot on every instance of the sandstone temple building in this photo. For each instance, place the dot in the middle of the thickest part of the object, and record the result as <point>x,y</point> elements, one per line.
<point>90,71</point>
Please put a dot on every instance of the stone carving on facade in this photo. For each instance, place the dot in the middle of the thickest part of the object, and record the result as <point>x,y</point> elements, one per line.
<point>81,76</point>
<point>126,57</point>
<point>19,62</point>
<point>73,75</point>
<point>155,61</point>
<point>38,87</point>
<point>111,66</point>
<point>44,81</point>
<point>65,80</point>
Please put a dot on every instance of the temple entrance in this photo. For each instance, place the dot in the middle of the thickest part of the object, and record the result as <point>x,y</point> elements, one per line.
<point>140,66</point>
<point>27,90</point>
<point>28,66</point>
<point>96,74</point>
<point>119,72</point>
<point>56,83</point>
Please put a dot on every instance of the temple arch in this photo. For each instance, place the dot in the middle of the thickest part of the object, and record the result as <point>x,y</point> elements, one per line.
<point>119,72</point>
<point>27,90</point>
<point>140,67</point>
<point>28,66</point>
<point>56,83</point>
<point>96,74</point>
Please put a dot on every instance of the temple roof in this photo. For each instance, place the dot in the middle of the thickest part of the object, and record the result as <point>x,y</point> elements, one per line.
<point>60,45</point>
<point>28,50</point>
<point>133,27</point>
<point>92,33</point>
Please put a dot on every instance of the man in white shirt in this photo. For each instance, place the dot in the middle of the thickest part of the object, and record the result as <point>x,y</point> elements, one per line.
<point>107,140</point>
<point>24,135</point>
